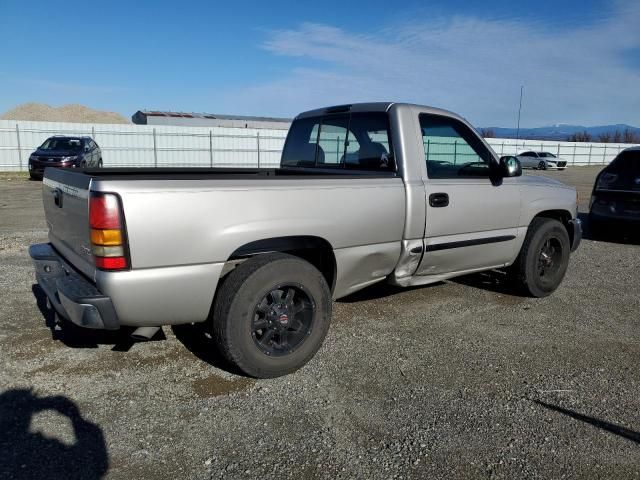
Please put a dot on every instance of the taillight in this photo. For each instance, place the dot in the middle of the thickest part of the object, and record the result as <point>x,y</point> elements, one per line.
<point>107,232</point>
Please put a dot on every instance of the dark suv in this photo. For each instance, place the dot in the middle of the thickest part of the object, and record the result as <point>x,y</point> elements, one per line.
<point>64,152</point>
<point>615,200</point>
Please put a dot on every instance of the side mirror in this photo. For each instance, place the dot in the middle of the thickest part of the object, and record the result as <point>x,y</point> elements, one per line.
<point>86,148</point>
<point>510,166</point>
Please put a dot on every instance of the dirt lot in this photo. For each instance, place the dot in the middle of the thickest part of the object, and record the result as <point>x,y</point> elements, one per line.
<point>456,380</point>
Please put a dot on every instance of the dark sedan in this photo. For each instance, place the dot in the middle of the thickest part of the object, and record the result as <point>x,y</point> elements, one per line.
<point>615,201</point>
<point>65,152</point>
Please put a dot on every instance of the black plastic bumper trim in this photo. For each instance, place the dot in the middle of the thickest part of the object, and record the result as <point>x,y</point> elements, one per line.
<point>70,293</point>
<point>468,243</point>
<point>577,233</point>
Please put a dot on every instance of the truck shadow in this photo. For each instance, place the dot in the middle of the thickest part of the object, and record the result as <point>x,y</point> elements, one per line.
<point>496,281</point>
<point>492,280</point>
<point>191,336</point>
<point>195,339</point>
<point>601,424</point>
<point>380,290</point>
<point>31,454</point>
<point>76,337</point>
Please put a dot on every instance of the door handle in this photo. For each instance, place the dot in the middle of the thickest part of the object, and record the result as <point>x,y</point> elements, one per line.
<point>437,200</point>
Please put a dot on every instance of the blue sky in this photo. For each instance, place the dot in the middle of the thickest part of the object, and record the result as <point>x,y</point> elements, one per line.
<point>578,60</point>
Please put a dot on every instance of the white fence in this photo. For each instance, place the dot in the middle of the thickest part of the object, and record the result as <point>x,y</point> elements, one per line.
<point>162,146</point>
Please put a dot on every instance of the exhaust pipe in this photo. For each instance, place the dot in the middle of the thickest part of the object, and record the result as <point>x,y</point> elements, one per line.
<point>144,333</point>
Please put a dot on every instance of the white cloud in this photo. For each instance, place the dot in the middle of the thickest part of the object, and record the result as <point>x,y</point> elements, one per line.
<point>473,66</point>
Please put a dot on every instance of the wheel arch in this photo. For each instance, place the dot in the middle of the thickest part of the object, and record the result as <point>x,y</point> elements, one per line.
<point>563,216</point>
<point>315,250</point>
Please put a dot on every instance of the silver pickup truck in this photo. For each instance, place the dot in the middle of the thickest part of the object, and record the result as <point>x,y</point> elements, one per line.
<point>365,193</point>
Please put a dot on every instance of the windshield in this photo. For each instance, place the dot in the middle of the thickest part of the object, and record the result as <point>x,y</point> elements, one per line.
<point>546,154</point>
<point>62,144</point>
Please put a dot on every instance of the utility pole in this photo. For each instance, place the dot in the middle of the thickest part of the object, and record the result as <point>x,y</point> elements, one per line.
<point>519,111</point>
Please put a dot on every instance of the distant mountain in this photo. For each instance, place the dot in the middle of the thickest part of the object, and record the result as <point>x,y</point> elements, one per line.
<point>560,131</point>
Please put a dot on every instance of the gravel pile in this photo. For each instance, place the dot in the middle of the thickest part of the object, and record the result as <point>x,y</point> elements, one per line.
<point>40,112</point>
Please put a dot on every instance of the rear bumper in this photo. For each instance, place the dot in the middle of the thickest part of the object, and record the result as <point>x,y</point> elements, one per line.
<point>607,215</point>
<point>70,293</point>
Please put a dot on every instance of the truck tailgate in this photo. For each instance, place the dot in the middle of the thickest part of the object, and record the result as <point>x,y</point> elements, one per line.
<point>65,194</point>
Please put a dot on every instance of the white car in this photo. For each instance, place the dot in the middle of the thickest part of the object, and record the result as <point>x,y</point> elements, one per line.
<point>541,160</point>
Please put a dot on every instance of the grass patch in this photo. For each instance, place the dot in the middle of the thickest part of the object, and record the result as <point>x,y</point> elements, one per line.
<point>8,176</point>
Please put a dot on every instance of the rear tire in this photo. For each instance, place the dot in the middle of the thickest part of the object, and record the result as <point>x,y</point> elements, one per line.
<point>542,165</point>
<point>262,331</point>
<point>543,259</point>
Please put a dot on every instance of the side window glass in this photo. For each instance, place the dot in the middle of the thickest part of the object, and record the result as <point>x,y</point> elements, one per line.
<point>300,147</point>
<point>331,142</point>
<point>369,145</point>
<point>451,149</point>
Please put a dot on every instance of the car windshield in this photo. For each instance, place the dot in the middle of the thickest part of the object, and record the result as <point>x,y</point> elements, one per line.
<point>62,144</point>
<point>546,154</point>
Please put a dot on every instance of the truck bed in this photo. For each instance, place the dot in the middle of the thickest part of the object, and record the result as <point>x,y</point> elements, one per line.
<point>183,224</point>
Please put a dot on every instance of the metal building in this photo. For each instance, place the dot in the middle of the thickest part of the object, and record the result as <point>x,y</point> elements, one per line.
<point>154,117</point>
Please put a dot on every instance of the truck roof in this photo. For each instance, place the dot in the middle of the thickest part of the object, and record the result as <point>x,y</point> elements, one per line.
<point>371,107</point>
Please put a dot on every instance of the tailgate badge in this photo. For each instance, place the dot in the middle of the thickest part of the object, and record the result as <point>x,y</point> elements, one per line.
<point>57,197</point>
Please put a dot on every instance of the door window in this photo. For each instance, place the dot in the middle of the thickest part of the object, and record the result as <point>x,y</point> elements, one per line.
<point>452,150</point>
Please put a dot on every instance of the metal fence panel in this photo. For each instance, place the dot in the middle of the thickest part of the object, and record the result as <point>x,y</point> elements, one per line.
<point>164,145</point>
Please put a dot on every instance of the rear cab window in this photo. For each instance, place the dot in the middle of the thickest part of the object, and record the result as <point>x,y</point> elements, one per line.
<point>350,141</point>
<point>626,164</point>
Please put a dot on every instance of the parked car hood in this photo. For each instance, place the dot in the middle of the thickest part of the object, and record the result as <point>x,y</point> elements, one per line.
<point>56,153</point>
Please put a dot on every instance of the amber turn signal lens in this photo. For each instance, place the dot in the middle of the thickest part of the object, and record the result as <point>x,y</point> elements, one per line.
<point>106,237</point>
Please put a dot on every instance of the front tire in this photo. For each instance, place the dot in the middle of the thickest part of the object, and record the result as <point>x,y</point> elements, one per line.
<point>271,315</point>
<point>542,165</point>
<point>543,259</point>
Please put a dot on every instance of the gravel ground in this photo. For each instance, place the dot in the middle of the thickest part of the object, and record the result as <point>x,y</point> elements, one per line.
<point>456,380</point>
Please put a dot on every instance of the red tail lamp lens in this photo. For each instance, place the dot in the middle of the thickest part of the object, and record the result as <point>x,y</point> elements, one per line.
<point>107,235</point>
<point>104,211</point>
<point>111,263</point>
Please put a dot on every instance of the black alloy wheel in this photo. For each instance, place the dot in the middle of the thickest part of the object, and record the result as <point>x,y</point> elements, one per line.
<point>549,261</point>
<point>283,320</point>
